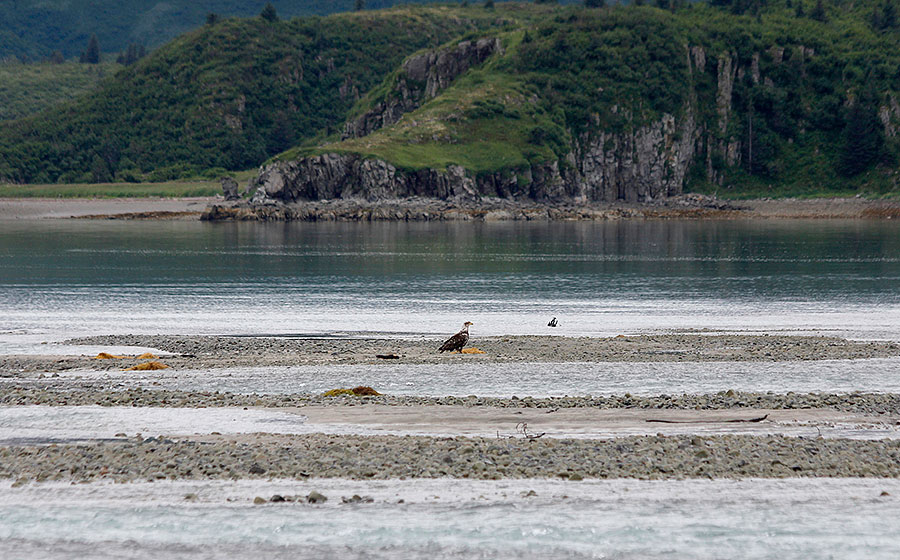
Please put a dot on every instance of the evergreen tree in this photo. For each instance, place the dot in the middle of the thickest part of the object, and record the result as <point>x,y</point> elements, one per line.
<point>268,12</point>
<point>57,57</point>
<point>861,139</point>
<point>132,55</point>
<point>489,4</point>
<point>212,18</point>
<point>594,3</point>
<point>888,15</point>
<point>92,54</point>
<point>359,5</point>
<point>818,12</point>
<point>884,17</point>
<point>799,11</point>
<point>100,171</point>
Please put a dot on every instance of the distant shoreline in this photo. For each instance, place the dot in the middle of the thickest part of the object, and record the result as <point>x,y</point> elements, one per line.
<point>689,206</point>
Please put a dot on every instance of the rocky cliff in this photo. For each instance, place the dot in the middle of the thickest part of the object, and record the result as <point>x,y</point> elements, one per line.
<point>634,163</point>
<point>422,77</point>
<point>639,166</point>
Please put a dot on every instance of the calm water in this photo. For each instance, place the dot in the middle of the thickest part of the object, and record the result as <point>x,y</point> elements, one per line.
<point>61,278</point>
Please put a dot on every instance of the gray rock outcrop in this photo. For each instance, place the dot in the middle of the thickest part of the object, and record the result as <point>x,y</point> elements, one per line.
<point>647,164</point>
<point>230,189</point>
<point>421,78</point>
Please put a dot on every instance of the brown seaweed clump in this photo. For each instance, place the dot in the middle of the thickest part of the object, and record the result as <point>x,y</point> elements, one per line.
<point>147,366</point>
<point>361,391</point>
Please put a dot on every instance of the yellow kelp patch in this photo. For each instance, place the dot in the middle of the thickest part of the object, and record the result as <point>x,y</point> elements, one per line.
<point>147,366</point>
<point>105,356</point>
<point>471,350</point>
<point>147,356</point>
<point>361,391</point>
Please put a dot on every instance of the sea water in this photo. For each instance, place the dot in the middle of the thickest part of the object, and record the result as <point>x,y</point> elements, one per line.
<point>795,519</point>
<point>68,277</point>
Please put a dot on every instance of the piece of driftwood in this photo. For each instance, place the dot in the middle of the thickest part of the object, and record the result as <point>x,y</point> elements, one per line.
<point>387,356</point>
<point>522,428</point>
<point>661,421</point>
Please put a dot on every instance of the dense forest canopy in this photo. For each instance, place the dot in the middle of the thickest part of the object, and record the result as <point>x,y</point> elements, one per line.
<point>225,96</point>
<point>34,29</point>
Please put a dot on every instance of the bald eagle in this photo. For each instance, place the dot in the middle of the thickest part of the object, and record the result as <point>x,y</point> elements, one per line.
<point>457,341</point>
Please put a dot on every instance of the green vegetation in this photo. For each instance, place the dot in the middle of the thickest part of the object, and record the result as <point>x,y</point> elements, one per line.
<point>804,115</point>
<point>225,96</point>
<point>26,89</point>
<point>33,29</point>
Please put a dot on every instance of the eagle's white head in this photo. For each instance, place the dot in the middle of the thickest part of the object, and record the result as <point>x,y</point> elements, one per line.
<point>466,325</point>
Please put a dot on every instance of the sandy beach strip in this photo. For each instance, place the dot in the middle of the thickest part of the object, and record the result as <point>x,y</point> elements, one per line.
<point>103,208</point>
<point>455,420</point>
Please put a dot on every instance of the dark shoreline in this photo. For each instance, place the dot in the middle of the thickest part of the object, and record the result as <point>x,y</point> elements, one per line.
<point>485,210</point>
<point>683,207</point>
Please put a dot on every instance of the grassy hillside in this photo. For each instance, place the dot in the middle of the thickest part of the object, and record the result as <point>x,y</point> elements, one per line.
<point>224,96</point>
<point>806,122</point>
<point>553,81</point>
<point>26,89</point>
<point>35,28</point>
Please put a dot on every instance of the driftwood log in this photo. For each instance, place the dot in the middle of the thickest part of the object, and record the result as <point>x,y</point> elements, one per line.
<point>662,421</point>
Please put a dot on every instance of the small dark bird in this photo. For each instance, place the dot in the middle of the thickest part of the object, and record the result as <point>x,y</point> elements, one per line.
<point>457,341</point>
<point>552,322</point>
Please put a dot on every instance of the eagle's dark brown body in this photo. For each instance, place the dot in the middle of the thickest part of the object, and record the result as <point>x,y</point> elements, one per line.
<point>457,341</point>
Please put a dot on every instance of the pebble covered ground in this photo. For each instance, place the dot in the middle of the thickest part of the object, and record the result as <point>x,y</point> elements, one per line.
<point>204,352</point>
<point>380,457</point>
<point>66,395</point>
<point>363,457</point>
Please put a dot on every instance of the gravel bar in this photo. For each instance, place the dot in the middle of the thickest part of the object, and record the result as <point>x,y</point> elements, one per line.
<point>864,403</point>
<point>383,457</point>
<point>206,352</point>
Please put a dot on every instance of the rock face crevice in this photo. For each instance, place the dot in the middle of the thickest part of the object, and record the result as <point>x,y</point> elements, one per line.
<point>647,164</point>
<point>421,78</point>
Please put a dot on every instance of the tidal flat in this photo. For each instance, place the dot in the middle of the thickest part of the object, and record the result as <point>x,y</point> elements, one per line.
<point>724,434</point>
